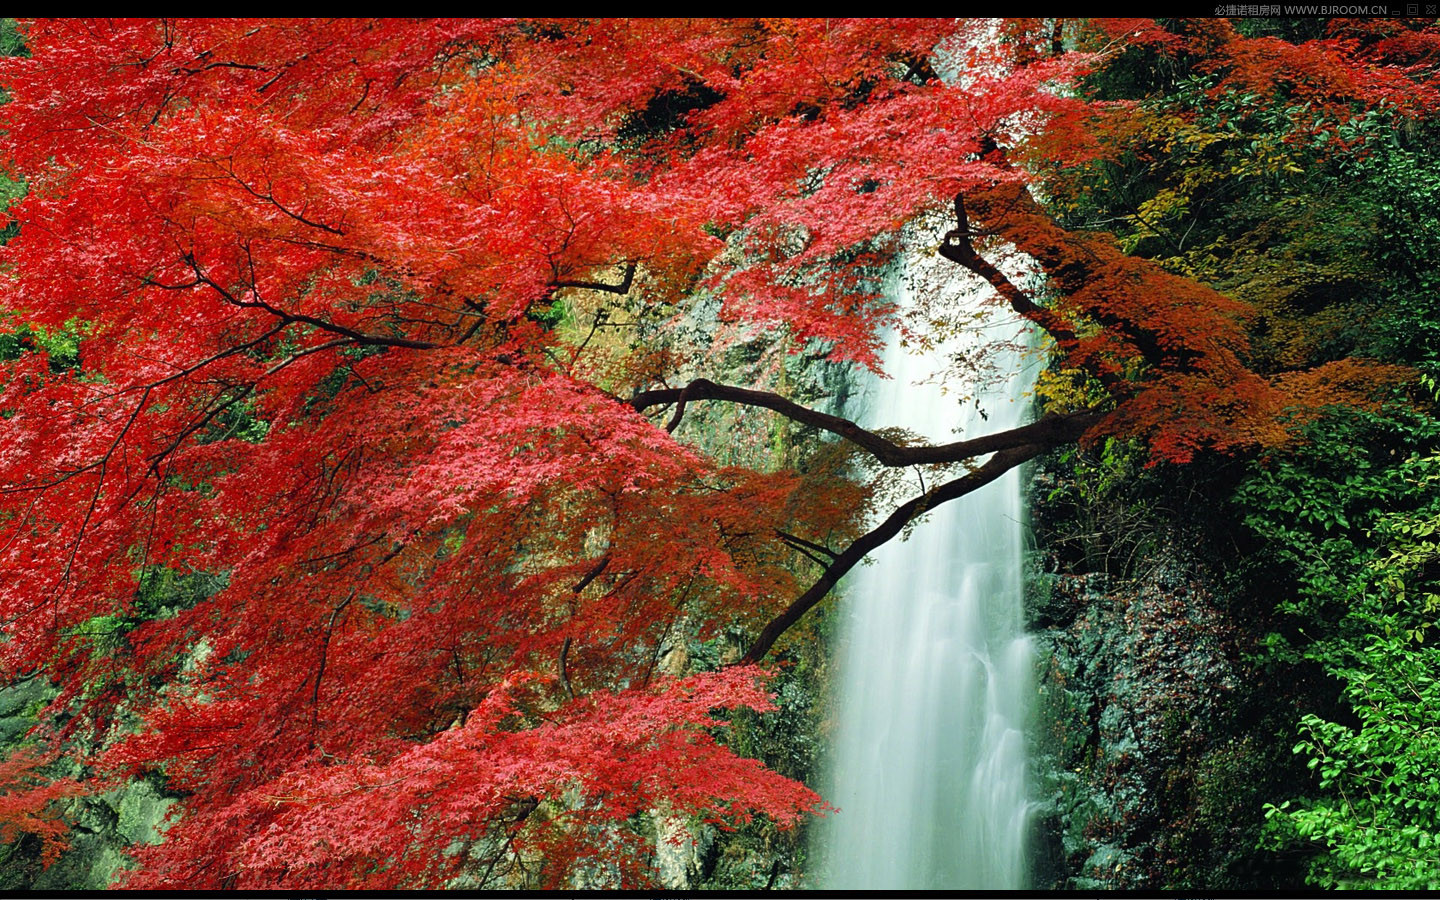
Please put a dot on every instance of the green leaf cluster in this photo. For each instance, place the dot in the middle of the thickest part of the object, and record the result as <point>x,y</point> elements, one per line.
<point>1329,229</point>
<point>1355,542</point>
<point>1377,810</point>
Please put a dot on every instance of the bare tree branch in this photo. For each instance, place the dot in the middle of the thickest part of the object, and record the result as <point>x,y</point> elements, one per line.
<point>564,668</point>
<point>802,545</point>
<point>622,288</point>
<point>997,465</point>
<point>358,337</point>
<point>1050,430</point>
<point>958,247</point>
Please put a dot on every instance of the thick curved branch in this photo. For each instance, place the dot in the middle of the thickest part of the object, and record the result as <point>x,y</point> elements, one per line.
<point>809,548</point>
<point>564,668</point>
<point>622,288</point>
<point>997,465</point>
<point>1056,428</point>
<point>1071,263</point>
<point>959,248</point>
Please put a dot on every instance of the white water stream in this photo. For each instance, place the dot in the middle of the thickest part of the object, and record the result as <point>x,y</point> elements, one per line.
<point>928,769</point>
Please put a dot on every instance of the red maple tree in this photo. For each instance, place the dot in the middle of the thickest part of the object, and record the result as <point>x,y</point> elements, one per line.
<point>312,264</point>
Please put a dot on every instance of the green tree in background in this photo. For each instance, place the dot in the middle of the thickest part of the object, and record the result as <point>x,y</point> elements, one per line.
<point>1325,219</point>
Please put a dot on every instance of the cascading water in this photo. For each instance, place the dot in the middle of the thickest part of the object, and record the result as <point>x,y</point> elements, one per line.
<point>928,769</point>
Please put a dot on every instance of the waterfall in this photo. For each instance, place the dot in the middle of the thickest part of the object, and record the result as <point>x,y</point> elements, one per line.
<point>928,770</point>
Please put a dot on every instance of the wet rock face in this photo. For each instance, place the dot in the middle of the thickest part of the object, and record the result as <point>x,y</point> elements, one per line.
<point>680,852</point>
<point>18,704</point>
<point>102,826</point>
<point>1149,762</point>
<point>755,856</point>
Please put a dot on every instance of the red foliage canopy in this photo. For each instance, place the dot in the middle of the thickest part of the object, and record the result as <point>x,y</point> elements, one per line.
<point>309,261</point>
